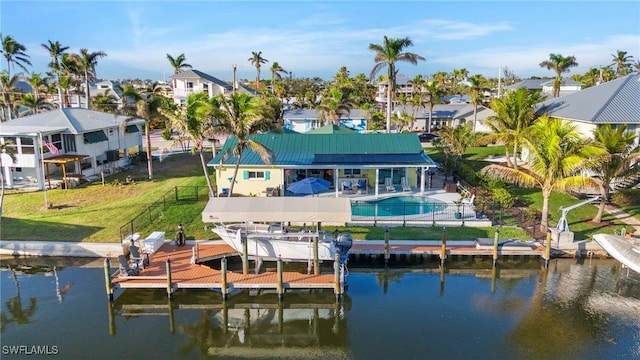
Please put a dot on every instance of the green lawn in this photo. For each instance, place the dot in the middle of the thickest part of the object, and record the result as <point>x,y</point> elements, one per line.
<point>96,213</point>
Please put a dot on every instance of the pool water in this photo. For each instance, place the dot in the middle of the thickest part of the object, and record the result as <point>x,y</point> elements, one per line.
<point>397,206</point>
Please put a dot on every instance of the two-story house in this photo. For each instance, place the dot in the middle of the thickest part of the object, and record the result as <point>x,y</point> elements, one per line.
<point>68,142</point>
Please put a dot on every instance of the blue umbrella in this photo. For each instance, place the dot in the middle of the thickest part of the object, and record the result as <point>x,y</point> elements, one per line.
<point>310,185</point>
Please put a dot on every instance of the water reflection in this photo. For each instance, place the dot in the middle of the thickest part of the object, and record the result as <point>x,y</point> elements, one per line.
<point>312,323</point>
<point>16,311</point>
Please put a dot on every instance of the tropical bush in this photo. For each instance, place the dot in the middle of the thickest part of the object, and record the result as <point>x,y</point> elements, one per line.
<point>626,197</point>
<point>503,198</point>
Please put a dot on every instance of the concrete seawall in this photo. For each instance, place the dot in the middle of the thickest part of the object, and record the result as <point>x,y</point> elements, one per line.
<point>60,248</point>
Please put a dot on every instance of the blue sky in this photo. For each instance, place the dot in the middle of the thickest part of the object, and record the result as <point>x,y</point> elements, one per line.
<point>316,38</point>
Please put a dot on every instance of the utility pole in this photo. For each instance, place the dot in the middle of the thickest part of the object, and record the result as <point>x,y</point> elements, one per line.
<point>499,79</point>
<point>234,77</point>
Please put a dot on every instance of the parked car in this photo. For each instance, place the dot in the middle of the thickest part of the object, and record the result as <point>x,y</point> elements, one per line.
<point>427,137</point>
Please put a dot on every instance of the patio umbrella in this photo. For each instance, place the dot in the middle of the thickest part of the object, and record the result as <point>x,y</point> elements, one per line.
<point>310,185</point>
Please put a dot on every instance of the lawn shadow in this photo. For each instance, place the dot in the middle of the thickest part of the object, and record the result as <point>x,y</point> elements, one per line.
<point>14,229</point>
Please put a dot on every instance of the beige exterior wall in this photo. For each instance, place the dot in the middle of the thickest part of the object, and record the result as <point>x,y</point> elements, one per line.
<point>249,186</point>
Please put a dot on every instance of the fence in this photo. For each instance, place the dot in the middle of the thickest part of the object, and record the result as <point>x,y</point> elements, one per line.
<point>177,195</point>
<point>416,214</point>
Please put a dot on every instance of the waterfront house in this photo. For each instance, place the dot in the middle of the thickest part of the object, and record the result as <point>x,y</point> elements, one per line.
<point>304,120</point>
<point>365,160</point>
<point>82,143</point>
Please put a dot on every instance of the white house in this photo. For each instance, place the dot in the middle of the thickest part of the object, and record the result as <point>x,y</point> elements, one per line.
<point>545,86</point>
<point>87,143</point>
<point>453,114</point>
<point>192,81</point>
<point>615,102</point>
<point>304,120</point>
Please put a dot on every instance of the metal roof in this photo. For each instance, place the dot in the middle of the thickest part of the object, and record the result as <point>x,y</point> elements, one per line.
<point>324,150</point>
<point>613,102</point>
<point>196,74</point>
<point>68,120</point>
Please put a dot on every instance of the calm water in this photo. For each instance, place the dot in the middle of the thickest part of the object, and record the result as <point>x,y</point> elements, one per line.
<point>575,310</point>
<point>396,206</point>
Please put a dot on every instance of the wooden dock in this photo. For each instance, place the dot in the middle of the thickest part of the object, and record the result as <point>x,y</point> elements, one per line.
<point>186,268</point>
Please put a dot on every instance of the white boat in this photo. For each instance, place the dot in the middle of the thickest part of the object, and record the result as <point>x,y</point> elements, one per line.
<point>271,242</point>
<point>248,219</point>
<point>627,251</point>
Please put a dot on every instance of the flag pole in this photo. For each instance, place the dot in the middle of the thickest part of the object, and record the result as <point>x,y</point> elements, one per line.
<point>44,180</point>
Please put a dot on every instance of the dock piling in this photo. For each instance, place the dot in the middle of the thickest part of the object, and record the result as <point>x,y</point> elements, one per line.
<point>280,288</point>
<point>386,245</point>
<point>245,256</point>
<point>547,249</point>
<point>443,250</point>
<point>495,246</point>
<point>169,285</point>
<point>336,272</point>
<point>223,279</point>
<point>107,278</point>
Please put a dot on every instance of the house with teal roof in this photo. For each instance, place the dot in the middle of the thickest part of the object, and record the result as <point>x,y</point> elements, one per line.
<point>370,161</point>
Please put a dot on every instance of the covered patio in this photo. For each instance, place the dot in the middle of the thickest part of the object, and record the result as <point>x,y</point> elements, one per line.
<point>62,161</point>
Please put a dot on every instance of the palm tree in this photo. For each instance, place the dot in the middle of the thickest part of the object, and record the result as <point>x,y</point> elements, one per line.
<point>333,105</point>
<point>453,142</point>
<point>556,154</point>
<point>257,60</point>
<point>477,89</point>
<point>458,75</point>
<point>242,116</point>
<point>178,64</point>
<point>559,64</point>
<point>622,62</point>
<point>37,82</point>
<point>7,148</point>
<point>433,90</point>
<point>7,86</point>
<point>276,69</point>
<point>618,161</point>
<point>387,54</point>
<point>14,53</point>
<point>514,113</point>
<point>86,64</point>
<point>194,121</point>
<point>35,104</point>
<point>56,50</point>
<point>105,102</point>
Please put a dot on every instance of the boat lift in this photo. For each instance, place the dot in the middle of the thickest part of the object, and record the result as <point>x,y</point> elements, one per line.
<point>563,225</point>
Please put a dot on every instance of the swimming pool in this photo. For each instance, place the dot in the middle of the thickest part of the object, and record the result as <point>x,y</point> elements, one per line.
<point>397,206</point>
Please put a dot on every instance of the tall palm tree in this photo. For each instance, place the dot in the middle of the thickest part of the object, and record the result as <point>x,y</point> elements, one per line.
<point>457,76</point>
<point>195,123</point>
<point>622,62</point>
<point>387,54</point>
<point>257,60</point>
<point>514,113</point>
<point>86,64</point>
<point>14,53</point>
<point>242,116</point>
<point>453,142</point>
<point>178,64</point>
<point>556,155</point>
<point>478,85</point>
<point>433,91</point>
<point>333,105</point>
<point>559,64</point>
<point>56,50</point>
<point>276,69</point>
<point>105,102</point>
<point>37,82</point>
<point>620,159</point>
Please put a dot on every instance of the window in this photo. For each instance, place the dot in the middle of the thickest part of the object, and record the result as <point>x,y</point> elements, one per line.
<point>190,86</point>
<point>255,175</point>
<point>94,137</point>
<point>56,139</point>
<point>354,172</point>
<point>69,143</point>
<point>131,129</point>
<point>26,145</point>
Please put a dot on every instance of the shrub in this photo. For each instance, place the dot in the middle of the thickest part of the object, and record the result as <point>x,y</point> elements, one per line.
<point>503,198</point>
<point>626,197</point>
<point>466,172</point>
<point>166,134</point>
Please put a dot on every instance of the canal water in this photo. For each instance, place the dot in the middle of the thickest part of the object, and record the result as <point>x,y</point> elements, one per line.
<point>576,309</point>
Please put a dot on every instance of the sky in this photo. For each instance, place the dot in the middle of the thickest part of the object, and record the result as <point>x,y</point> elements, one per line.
<point>316,38</point>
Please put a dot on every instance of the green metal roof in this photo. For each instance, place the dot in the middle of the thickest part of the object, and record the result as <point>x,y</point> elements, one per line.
<point>325,150</point>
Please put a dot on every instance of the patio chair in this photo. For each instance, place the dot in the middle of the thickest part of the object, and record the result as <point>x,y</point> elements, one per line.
<point>125,268</point>
<point>362,186</point>
<point>405,184</point>
<point>388,183</point>
<point>136,258</point>
<point>347,187</point>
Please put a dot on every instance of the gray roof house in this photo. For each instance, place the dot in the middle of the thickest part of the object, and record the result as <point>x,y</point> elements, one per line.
<point>77,141</point>
<point>545,86</point>
<point>448,115</point>
<point>192,81</point>
<point>614,102</point>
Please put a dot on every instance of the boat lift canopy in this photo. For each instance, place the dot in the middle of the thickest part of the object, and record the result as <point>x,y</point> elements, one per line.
<point>277,209</point>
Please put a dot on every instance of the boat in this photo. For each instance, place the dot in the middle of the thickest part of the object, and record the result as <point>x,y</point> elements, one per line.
<point>627,251</point>
<point>271,242</point>
<point>258,221</point>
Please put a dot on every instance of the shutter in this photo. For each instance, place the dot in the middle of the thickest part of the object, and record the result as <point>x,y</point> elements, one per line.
<point>267,175</point>
<point>245,175</point>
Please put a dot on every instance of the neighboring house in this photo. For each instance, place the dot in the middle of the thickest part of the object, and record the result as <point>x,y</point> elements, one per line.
<point>303,120</point>
<point>192,81</point>
<point>545,86</point>
<point>87,143</point>
<point>615,102</point>
<point>404,85</point>
<point>336,157</point>
<point>111,87</point>
<point>448,115</point>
